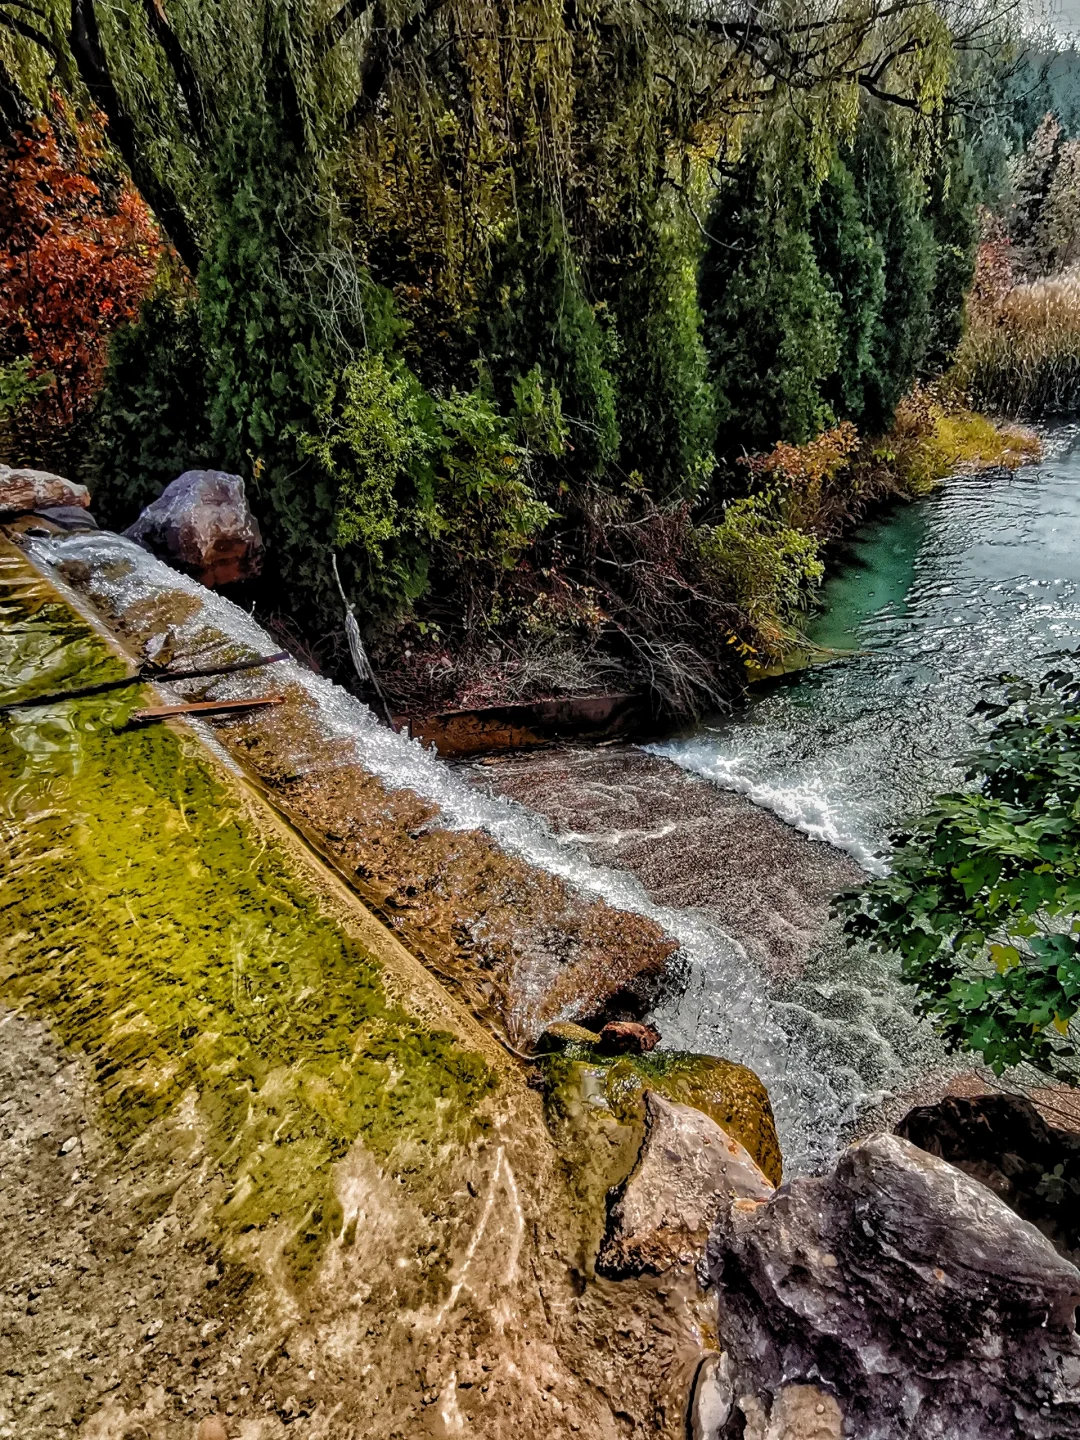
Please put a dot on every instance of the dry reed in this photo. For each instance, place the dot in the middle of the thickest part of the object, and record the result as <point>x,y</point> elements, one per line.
<point>1022,356</point>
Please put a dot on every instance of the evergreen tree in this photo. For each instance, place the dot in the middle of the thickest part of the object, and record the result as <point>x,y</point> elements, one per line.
<point>666,408</point>
<point>770,318</point>
<point>952,213</point>
<point>850,258</point>
<point>892,212</point>
<point>536,317</point>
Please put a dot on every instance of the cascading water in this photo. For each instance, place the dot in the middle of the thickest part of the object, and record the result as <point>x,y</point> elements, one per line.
<point>981,578</point>
<point>728,1007</point>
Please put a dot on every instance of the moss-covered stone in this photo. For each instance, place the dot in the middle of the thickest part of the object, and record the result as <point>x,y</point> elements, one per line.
<point>180,949</point>
<point>565,1037</point>
<point>589,1094</point>
<point>728,1093</point>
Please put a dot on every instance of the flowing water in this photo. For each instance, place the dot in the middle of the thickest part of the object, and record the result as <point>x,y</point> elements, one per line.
<point>938,599</point>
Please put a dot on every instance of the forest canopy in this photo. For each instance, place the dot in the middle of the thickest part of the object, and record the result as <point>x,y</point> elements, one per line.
<point>492,299</point>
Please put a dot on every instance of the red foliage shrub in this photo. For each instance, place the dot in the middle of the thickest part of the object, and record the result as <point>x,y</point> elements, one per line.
<point>75,263</point>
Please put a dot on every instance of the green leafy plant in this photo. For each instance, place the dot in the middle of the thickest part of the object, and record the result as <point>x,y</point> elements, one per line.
<point>150,422</point>
<point>417,478</point>
<point>18,386</point>
<point>982,900</point>
<point>767,568</point>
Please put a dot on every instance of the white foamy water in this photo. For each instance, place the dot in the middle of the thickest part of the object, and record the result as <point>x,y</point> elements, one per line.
<point>826,1048</point>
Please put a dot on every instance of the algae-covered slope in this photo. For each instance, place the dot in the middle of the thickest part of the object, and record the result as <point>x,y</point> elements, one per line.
<point>521,945</point>
<point>255,1160</point>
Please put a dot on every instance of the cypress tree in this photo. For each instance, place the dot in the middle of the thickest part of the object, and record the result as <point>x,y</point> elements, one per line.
<point>892,212</point>
<point>770,318</point>
<point>850,258</point>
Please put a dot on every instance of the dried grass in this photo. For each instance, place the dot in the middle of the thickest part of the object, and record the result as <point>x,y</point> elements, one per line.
<point>1021,357</point>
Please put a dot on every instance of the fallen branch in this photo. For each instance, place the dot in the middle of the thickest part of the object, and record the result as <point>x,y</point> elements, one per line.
<point>202,707</point>
<point>146,674</point>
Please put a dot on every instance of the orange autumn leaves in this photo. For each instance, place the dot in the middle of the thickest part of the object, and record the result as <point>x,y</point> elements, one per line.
<point>78,253</point>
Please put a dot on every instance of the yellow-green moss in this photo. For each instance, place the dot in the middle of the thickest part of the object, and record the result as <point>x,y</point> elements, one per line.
<point>595,1108</point>
<point>176,947</point>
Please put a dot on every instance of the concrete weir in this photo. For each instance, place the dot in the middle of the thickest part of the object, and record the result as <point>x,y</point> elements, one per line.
<point>266,1158</point>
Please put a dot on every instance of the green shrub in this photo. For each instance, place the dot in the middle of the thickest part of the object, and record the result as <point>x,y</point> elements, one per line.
<point>768,569</point>
<point>150,422</point>
<point>982,901</point>
<point>425,487</point>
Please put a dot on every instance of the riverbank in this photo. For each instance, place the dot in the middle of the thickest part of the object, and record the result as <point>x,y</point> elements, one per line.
<point>661,613</point>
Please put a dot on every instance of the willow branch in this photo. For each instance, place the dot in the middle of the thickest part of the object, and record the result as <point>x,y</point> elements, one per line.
<point>86,47</point>
<point>180,63</point>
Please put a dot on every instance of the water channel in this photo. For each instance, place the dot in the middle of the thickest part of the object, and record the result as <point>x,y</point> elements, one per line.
<point>931,601</point>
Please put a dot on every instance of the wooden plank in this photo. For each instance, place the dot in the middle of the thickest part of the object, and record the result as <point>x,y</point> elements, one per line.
<point>204,707</point>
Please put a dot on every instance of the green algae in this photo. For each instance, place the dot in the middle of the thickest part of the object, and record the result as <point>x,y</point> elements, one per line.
<point>176,946</point>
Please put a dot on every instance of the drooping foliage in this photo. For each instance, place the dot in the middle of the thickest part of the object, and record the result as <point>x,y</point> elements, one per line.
<point>477,279</point>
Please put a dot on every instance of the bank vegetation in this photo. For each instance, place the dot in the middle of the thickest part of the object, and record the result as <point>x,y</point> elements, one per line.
<point>574,331</point>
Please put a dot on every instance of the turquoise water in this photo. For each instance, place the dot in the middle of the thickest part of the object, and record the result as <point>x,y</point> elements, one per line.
<point>934,600</point>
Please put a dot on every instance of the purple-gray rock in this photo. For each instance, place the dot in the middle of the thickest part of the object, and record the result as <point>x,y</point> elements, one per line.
<point>68,517</point>
<point>1003,1141</point>
<point>905,1290</point>
<point>201,524</point>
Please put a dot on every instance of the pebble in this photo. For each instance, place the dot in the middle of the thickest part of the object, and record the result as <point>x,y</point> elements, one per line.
<point>69,1145</point>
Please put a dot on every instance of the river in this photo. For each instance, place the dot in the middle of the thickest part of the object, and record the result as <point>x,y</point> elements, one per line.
<point>935,600</point>
<point>930,601</point>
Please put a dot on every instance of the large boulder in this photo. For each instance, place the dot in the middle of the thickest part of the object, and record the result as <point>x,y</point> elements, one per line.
<point>23,490</point>
<point>687,1170</point>
<point>907,1292</point>
<point>201,524</point>
<point>1003,1141</point>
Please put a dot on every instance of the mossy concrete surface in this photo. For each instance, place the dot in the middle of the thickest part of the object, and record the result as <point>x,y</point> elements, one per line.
<point>257,1162</point>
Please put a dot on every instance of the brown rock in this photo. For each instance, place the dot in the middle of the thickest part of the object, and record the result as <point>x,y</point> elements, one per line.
<point>628,1037</point>
<point>212,1428</point>
<point>201,524</point>
<point>688,1170</point>
<point>22,490</point>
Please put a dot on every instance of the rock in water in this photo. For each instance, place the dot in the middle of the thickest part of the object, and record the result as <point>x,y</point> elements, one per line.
<point>688,1169</point>
<point>908,1292</point>
<point>201,524</point>
<point>23,490</point>
<point>628,1037</point>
